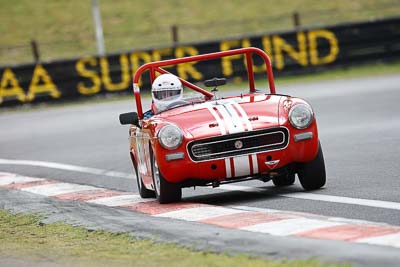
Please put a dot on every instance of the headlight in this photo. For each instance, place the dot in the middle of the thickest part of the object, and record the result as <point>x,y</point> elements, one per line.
<point>170,137</point>
<point>301,116</point>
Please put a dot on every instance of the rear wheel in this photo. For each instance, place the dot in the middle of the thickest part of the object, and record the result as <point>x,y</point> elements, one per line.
<point>165,192</point>
<point>284,180</point>
<point>143,191</point>
<point>312,174</point>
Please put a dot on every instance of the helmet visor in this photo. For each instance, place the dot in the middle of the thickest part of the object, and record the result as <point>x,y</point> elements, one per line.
<point>163,94</point>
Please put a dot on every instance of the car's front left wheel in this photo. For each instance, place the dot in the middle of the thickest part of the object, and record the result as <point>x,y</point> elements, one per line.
<point>165,192</point>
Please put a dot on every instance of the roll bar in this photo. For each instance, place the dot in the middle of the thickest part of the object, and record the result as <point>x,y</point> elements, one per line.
<point>155,66</point>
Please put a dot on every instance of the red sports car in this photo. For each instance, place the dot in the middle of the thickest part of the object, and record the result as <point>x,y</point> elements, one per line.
<point>207,140</point>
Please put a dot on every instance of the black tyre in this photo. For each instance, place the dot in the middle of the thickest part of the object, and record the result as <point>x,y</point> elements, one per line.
<point>312,174</point>
<point>165,192</point>
<point>284,180</point>
<point>143,191</point>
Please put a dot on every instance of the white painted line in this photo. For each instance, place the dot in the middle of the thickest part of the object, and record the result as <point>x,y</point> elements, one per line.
<point>289,226</point>
<point>67,167</point>
<point>345,200</point>
<point>358,222</point>
<point>320,197</point>
<point>199,213</point>
<point>392,240</point>
<point>116,201</point>
<point>7,174</point>
<point>15,179</point>
<point>57,189</point>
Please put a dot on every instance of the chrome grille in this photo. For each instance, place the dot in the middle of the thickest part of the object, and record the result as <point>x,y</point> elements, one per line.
<point>238,144</point>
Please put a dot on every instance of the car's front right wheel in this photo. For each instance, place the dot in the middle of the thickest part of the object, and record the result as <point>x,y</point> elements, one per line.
<point>165,192</point>
<point>312,174</point>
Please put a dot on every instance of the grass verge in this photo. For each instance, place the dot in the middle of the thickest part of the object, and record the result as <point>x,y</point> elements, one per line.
<point>24,239</point>
<point>64,29</point>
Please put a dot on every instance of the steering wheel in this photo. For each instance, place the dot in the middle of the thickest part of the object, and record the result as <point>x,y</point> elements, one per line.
<point>177,103</point>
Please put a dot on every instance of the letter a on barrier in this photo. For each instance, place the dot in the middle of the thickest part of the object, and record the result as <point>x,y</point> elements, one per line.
<point>9,86</point>
<point>42,84</point>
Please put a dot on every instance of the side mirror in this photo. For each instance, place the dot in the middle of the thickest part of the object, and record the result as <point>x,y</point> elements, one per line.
<point>214,82</point>
<point>129,118</point>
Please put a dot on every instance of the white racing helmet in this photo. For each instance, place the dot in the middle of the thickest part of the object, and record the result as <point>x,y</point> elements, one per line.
<point>166,89</point>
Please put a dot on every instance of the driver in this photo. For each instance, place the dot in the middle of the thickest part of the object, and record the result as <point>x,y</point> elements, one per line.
<point>166,89</point>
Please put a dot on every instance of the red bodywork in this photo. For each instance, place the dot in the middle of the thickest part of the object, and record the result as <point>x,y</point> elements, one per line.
<point>250,117</point>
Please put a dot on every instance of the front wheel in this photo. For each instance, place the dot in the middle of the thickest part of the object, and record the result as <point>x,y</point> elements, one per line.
<point>165,192</point>
<point>312,174</point>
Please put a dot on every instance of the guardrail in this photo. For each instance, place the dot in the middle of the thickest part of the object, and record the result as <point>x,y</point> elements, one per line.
<point>301,51</point>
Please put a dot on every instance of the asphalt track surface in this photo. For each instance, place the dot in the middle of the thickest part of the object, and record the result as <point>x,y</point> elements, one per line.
<point>359,132</point>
